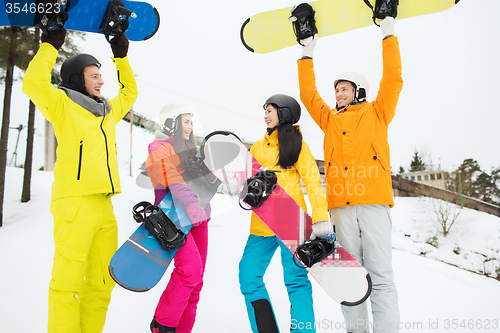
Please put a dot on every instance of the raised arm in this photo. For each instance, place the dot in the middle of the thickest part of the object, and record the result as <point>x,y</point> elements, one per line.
<point>392,81</point>
<point>128,87</point>
<point>36,80</point>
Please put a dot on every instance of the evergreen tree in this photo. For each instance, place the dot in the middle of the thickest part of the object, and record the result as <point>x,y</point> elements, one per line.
<point>486,188</point>
<point>417,164</point>
<point>401,170</point>
<point>465,177</point>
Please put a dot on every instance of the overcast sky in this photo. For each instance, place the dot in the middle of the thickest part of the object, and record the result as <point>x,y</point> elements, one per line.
<point>448,109</point>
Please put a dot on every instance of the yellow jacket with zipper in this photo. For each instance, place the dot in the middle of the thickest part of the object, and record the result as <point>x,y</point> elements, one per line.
<point>356,151</point>
<point>266,152</point>
<point>84,128</point>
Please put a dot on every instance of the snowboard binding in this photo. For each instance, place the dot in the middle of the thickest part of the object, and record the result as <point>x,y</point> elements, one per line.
<point>258,188</point>
<point>304,22</point>
<point>159,225</point>
<point>50,15</point>
<point>383,8</point>
<point>313,251</point>
<point>115,21</point>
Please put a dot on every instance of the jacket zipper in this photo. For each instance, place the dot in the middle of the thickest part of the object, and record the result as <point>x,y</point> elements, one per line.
<point>107,154</point>
<point>80,160</point>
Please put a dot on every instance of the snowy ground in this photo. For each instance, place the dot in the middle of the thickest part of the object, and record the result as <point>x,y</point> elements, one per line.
<point>433,296</point>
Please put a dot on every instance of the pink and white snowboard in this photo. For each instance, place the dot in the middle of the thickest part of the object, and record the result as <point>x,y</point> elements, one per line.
<point>342,277</point>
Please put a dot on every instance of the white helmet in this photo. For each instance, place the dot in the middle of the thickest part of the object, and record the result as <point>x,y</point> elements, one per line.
<point>169,114</point>
<point>359,81</point>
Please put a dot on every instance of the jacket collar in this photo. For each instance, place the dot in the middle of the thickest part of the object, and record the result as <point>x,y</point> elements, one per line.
<point>99,108</point>
<point>352,107</point>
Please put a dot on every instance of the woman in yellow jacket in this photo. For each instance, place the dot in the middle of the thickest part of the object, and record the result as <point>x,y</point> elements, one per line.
<point>283,151</point>
<point>358,174</point>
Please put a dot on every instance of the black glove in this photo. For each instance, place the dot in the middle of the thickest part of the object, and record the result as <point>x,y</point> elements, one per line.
<point>119,46</point>
<point>56,38</point>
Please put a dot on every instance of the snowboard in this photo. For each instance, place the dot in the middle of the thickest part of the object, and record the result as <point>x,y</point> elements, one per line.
<point>341,276</point>
<point>139,264</point>
<point>84,15</point>
<point>271,31</point>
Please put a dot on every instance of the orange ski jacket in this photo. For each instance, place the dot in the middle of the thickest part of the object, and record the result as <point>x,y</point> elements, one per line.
<point>356,151</point>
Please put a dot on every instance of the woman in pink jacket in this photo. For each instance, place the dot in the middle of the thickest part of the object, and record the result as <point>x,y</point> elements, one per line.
<point>176,310</point>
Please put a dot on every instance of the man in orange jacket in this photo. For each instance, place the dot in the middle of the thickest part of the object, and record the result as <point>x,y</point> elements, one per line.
<point>358,173</point>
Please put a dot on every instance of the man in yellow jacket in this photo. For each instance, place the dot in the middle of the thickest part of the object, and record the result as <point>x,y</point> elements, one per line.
<point>85,178</point>
<point>358,173</point>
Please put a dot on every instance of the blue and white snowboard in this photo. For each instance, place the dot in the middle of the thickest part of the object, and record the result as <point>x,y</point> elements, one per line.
<point>84,15</point>
<point>140,262</point>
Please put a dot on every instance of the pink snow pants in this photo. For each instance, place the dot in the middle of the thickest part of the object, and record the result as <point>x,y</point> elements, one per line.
<point>178,303</point>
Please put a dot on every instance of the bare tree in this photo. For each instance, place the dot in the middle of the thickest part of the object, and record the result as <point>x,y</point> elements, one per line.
<point>28,162</point>
<point>9,79</point>
<point>445,214</point>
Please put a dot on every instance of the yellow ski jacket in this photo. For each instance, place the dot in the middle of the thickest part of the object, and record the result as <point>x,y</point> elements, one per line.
<point>356,151</point>
<point>266,152</point>
<point>85,129</point>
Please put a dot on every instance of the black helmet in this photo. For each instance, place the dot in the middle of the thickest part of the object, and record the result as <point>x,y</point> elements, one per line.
<point>72,70</point>
<point>288,108</point>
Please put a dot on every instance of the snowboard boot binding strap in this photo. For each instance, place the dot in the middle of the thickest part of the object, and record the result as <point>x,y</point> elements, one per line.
<point>304,22</point>
<point>159,225</point>
<point>383,8</point>
<point>258,188</point>
<point>115,21</point>
<point>50,15</point>
<point>313,251</point>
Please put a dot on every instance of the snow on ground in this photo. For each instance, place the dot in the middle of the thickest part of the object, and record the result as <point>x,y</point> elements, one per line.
<point>433,296</point>
<point>473,242</point>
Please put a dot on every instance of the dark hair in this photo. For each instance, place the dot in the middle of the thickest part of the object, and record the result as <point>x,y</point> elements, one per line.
<point>183,148</point>
<point>289,145</point>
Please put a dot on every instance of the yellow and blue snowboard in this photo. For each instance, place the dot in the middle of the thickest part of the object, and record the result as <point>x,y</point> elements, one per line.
<point>271,31</point>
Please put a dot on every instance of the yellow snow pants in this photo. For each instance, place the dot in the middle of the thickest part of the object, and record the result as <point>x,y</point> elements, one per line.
<point>85,237</point>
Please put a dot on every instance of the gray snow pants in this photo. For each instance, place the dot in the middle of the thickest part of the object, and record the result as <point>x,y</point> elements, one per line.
<point>365,232</point>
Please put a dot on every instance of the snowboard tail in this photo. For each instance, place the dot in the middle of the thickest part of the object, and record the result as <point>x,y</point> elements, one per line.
<point>271,31</point>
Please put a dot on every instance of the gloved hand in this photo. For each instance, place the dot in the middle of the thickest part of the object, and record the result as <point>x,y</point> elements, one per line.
<point>309,45</point>
<point>56,38</point>
<point>196,214</point>
<point>387,26</point>
<point>323,229</point>
<point>119,46</point>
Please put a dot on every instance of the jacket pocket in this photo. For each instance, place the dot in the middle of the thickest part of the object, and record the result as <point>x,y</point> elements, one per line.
<point>329,161</point>
<point>80,161</point>
<point>68,268</point>
<point>379,155</point>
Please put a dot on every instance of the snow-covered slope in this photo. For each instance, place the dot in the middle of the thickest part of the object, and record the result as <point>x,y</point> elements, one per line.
<point>433,296</point>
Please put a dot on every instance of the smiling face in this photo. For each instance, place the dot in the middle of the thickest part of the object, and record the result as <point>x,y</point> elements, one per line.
<point>271,116</point>
<point>186,125</point>
<point>93,80</point>
<point>344,93</point>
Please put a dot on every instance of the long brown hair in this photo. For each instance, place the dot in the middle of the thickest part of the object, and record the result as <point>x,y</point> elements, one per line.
<point>183,148</point>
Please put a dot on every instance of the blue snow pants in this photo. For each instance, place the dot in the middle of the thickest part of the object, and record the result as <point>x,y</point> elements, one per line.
<point>258,252</point>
